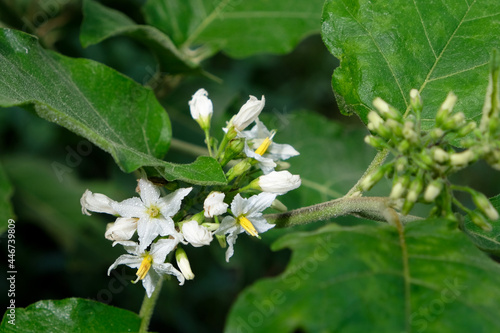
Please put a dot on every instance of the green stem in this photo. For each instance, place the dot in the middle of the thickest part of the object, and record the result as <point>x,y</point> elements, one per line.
<point>148,306</point>
<point>207,139</point>
<point>374,208</point>
<point>377,162</point>
<point>187,147</point>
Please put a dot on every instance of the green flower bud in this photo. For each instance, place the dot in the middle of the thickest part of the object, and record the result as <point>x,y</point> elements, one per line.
<point>454,122</point>
<point>403,146</point>
<point>484,205</point>
<point>416,187</point>
<point>399,188</point>
<point>401,163</point>
<point>233,149</point>
<point>439,155</point>
<point>407,206</point>
<point>468,128</point>
<point>386,110</point>
<point>436,133</point>
<point>463,158</point>
<point>238,169</point>
<point>183,263</point>
<point>480,221</point>
<point>409,133</point>
<point>425,157</point>
<point>369,181</point>
<point>375,141</point>
<point>395,127</point>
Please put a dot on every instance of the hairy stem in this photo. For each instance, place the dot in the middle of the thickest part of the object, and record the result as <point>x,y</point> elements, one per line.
<point>374,208</point>
<point>148,306</point>
<point>377,161</point>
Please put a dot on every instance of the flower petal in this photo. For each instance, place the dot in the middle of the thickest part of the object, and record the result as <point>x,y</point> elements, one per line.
<point>147,230</point>
<point>257,203</point>
<point>231,239</point>
<point>122,229</point>
<point>133,207</point>
<point>167,268</point>
<point>150,193</point>
<point>162,248</point>
<point>227,225</point>
<point>126,259</point>
<point>171,204</point>
<point>261,224</point>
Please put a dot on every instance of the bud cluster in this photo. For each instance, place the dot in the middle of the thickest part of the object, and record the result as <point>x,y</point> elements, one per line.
<point>423,160</point>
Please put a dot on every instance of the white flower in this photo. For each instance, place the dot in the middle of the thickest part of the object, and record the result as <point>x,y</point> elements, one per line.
<point>122,229</point>
<point>278,182</point>
<point>154,213</point>
<point>201,108</point>
<point>214,204</point>
<point>196,234</point>
<point>96,202</point>
<point>248,113</point>
<point>266,164</point>
<point>247,217</point>
<point>145,260</point>
<point>256,136</point>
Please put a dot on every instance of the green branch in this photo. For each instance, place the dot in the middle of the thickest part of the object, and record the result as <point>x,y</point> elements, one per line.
<point>373,208</point>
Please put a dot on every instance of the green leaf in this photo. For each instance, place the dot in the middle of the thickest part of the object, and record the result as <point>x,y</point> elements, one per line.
<point>6,191</point>
<point>488,241</point>
<point>359,279</point>
<point>100,23</point>
<point>386,49</point>
<point>239,28</point>
<point>96,102</point>
<point>71,315</point>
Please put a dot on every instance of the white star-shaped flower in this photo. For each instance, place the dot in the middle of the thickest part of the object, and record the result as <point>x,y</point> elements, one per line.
<point>276,151</point>
<point>154,213</point>
<point>145,260</point>
<point>214,204</point>
<point>247,217</point>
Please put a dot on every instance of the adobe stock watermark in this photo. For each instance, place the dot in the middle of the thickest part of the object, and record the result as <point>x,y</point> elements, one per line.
<point>430,312</point>
<point>265,308</point>
<point>48,10</point>
<point>74,157</point>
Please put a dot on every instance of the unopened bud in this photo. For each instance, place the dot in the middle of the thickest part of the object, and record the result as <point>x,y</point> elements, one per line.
<point>401,163</point>
<point>399,188</point>
<point>375,120</point>
<point>425,157</point>
<point>278,205</point>
<point>467,129</point>
<point>484,205</point>
<point>463,158</point>
<point>436,133</point>
<point>416,187</point>
<point>433,190</point>
<point>183,263</point>
<point>375,141</point>
<point>445,109</point>
<point>454,122</point>
<point>373,178</point>
<point>409,133</point>
<point>395,127</point>
<point>403,146</point>
<point>233,149</point>
<point>439,155</point>
<point>238,169</point>
<point>385,109</point>
<point>480,221</point>
<point>415,100</point>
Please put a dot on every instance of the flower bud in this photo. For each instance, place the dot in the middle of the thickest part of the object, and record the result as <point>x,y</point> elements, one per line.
<point>375,120</point>
<point>386,110</point>
<point>433,190</point>
<point>462,159</point>
<point>415,100</point>
<point>375,141</point>
<point>183,263</point>
<point>436,133</point>
<point>399,188</point>
<point>238,169</point>
<point>416,187</point>
<point>409,133</point>
<point>248,113</point>
<point>480,221</point>
<point>401,163</point>
<point>278,182</point>
<point>222,240</point>
<point>214,204</point>
<point>122,229</point>
<point>445,109</point>
<point>201,108</point>
<point>278,205</point>
<point>454,122</point>
<point>196,234</point>
<point>395,127</point>
<point>439,155</point>
<point>484,205</point>
<point>468,128</point>
<point>425,157</point>
<point>96,202</point>
<point>369,181</point>
<point>404,145</point>
<point>233,149</point>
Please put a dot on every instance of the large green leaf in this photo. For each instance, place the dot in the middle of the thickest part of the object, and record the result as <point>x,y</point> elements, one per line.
<point>71,315</point>
<point>96,102</point>
<point>359,279</point>
<point>6,190</point>
<point>101,22</point>
<point>239,28</point>
<point>388,48</point>
<point>488,241</point>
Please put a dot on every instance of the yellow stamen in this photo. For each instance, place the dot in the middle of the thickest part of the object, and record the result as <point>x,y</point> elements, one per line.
<point>265,144</point>
<point>248,226</point>
<point>144,268</point>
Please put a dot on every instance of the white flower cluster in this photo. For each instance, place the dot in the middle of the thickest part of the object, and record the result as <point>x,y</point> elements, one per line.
<point>151,215</point>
